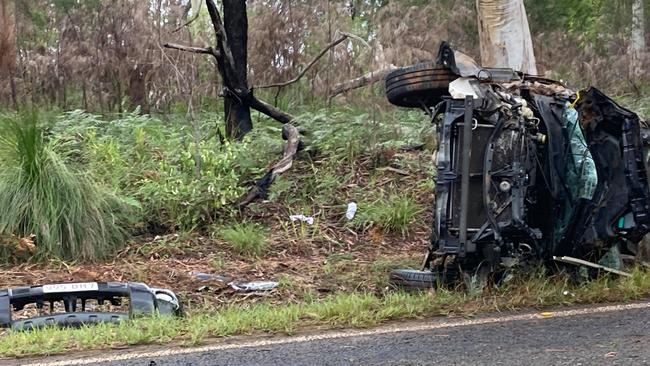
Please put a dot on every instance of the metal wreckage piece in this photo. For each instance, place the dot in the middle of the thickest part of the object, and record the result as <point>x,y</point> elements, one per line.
<point>76,304</point>
<point>527,169</point>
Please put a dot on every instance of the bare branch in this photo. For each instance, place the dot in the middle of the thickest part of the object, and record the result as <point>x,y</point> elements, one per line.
<point>302,73</point>
<point>367,79</point>
<point>195,6</point>
<point>180,47</point>
<point>269,110</point>
<point>290,133</point>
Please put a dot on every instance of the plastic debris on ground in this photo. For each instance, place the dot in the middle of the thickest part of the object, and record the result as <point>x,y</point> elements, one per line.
<point>581,262</point>
<point>209,280</point>
<point>219,281</point>
<point>351,211</point>
<point>254,286</point>
<point>307,219</point>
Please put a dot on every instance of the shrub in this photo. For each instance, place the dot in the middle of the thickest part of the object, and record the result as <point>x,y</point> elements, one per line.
<point>347,134</point>
<point>183,175</point>
<point>44,194</point>
<point>179,194</point>
<point>245,239</point>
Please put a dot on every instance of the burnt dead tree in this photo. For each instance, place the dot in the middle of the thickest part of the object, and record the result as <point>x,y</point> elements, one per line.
<point>230,54</point>
<point>235,18</point>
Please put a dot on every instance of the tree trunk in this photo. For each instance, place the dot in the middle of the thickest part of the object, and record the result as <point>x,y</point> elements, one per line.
<point>7,50</point>
<point>637,44</point>
<point>505,36</point>
<point>230,54</point>
<point>237,112</point>
<point>138,88</point>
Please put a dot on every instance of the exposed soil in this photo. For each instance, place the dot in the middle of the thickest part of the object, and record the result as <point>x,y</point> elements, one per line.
<point>173,268</point>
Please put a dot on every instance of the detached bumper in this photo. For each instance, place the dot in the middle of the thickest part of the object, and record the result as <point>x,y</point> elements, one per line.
<point>141,300</point>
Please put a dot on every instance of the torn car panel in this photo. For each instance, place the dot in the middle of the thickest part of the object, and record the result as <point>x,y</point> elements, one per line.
<point>614,136</point>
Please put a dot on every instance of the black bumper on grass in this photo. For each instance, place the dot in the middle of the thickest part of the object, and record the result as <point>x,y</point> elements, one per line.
<point>79,301</point>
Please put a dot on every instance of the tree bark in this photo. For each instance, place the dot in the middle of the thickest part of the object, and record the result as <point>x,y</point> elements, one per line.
<point>637,44</point>
<point>138,88</point>
<point>269,110</point>
<point>7,49</point>
<point>504,35</point>
<point>261,187</point>
<point>237,112</point>
<point>367,79</point>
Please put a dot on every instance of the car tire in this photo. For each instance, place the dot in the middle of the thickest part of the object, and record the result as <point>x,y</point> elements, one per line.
<point>414,279</point>
<point>418,85</point>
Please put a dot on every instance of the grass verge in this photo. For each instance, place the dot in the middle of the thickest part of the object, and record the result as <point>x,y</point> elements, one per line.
<point>341,310</point>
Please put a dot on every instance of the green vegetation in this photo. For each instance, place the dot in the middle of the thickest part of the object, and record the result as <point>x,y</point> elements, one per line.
<point>246,239</point>
<point>159,189</point>
<point>393,214</point>
<point>176,176</point>
<point>358,310</point>
<point>43,192</point>
<point>183,176</point>
<point>186,181</point>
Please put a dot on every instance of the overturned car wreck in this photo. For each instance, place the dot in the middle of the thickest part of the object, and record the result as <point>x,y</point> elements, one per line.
<point>527,169</point>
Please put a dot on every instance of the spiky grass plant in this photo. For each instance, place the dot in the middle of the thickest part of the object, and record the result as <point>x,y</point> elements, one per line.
<point>246,239</point>
<point>43,193</point>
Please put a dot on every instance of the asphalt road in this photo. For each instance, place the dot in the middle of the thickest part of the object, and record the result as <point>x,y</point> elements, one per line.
<point>589,336</point>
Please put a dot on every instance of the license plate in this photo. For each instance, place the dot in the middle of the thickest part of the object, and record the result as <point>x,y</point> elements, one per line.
<point>70,287</point>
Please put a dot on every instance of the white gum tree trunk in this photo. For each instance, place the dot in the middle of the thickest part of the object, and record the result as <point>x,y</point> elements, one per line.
<point>637,43</point>
<point>504,35</point>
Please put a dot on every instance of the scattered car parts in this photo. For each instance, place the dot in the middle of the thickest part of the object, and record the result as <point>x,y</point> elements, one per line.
<point>528,169</point>
<point>77,309</point>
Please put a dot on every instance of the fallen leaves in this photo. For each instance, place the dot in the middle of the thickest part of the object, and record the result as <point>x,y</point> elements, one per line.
<point>18,245</point>
<point>26,244</point>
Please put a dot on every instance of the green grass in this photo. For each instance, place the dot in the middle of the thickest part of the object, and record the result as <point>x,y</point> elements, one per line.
<point>246,239</point>
<point>342,310</point>
<point>393,214</point>
<point>43,193</point>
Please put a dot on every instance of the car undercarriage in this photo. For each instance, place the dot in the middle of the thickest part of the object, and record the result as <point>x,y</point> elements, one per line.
<point>527,169</point>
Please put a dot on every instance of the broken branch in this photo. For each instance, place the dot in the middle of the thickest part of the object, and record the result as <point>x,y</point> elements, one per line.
<point>367,79</point>
<point>238,93</point>
<point>261,187</point>
<point>302,73</point>
<point>204,50</point>
<point>271,111</point>
<point>195,6</point>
